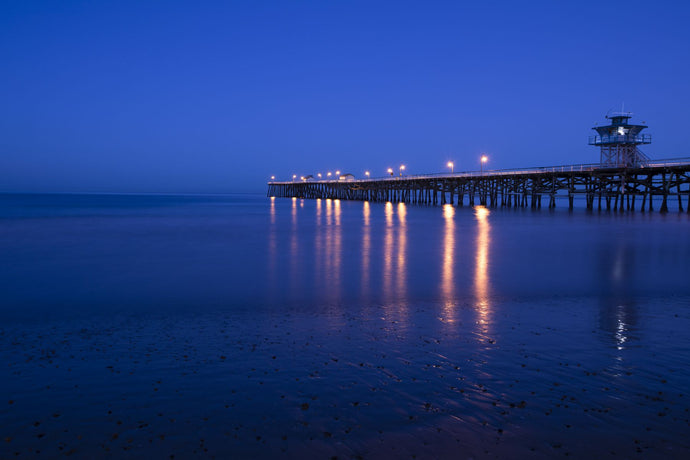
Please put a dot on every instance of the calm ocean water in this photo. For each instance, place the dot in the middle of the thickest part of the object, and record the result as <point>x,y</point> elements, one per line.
<point>249,327</point>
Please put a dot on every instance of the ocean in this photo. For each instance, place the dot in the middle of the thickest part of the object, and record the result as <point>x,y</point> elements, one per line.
<point>241,326</point>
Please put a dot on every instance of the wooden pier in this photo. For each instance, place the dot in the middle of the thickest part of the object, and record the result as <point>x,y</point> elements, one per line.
<point>664,183</point>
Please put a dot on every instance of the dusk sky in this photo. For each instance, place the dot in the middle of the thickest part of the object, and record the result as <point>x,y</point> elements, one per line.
<point>215,97</point>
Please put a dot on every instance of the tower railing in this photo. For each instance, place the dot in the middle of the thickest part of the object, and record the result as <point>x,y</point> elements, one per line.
<point>620,139</point>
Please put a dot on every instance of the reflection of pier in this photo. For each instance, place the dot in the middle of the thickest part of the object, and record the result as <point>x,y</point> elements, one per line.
<point>623,188</point>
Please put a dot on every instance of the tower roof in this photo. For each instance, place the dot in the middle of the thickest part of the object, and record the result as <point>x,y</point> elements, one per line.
<point>619,119</point>
<point>612,115</point>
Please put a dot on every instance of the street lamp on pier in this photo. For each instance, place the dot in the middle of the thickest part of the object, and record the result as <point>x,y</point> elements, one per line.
<point>390,171</point>
<point>482,160</point>
<point>451,165</point>
<point>402,168</point>
<point>366,173</point>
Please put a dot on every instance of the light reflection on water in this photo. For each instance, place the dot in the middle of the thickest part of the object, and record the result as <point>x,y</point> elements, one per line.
<point>448,261</point>
<point>396,253</point>
<point>335,258</point>
<point>388,253</point>
<point>273,210</point>
<point>401,276</point>
<point>366,248</point>
<point>394,259</point>
<point>618,306</point>
<point>329,211</point>
<point>318,211</point>
<point>319,258</point>
<point>294,249</point>
<point>481,271</point>
<point>272,243</point>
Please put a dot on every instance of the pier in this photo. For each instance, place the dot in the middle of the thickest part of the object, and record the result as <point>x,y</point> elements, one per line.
<point>625,179</point>
<point>665,183</point>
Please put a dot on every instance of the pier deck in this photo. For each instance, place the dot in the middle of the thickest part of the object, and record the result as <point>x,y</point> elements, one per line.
<point>663,182</point>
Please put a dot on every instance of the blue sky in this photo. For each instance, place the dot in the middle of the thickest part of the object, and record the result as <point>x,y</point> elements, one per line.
<point>215,97</point>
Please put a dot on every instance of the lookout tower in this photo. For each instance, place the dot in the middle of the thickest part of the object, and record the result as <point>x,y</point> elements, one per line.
<point>619,140</point>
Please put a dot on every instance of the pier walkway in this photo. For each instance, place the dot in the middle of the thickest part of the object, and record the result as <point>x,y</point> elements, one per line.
<point>662,182</point>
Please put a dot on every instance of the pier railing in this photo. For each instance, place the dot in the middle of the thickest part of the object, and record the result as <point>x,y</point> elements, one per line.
<point>575,168</point>
<point>669,163</point>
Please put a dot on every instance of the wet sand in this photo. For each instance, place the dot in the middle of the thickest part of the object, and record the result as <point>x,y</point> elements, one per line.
<point>537,379</point>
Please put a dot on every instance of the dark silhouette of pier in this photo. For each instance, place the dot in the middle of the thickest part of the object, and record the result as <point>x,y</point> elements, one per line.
<point>665,183</point>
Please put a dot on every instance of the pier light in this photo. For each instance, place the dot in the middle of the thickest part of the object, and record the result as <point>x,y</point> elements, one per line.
<point>273,177</point>
<point>482,160</point>
<point>319,174</point>
<point>402,168</point>
<point>328,174</point>
<point>451,165</point>
<point>301,177</point>
<point>366,173</point>
<point>337,174</point>
<point>294,176</point>
<point>390,171</point>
